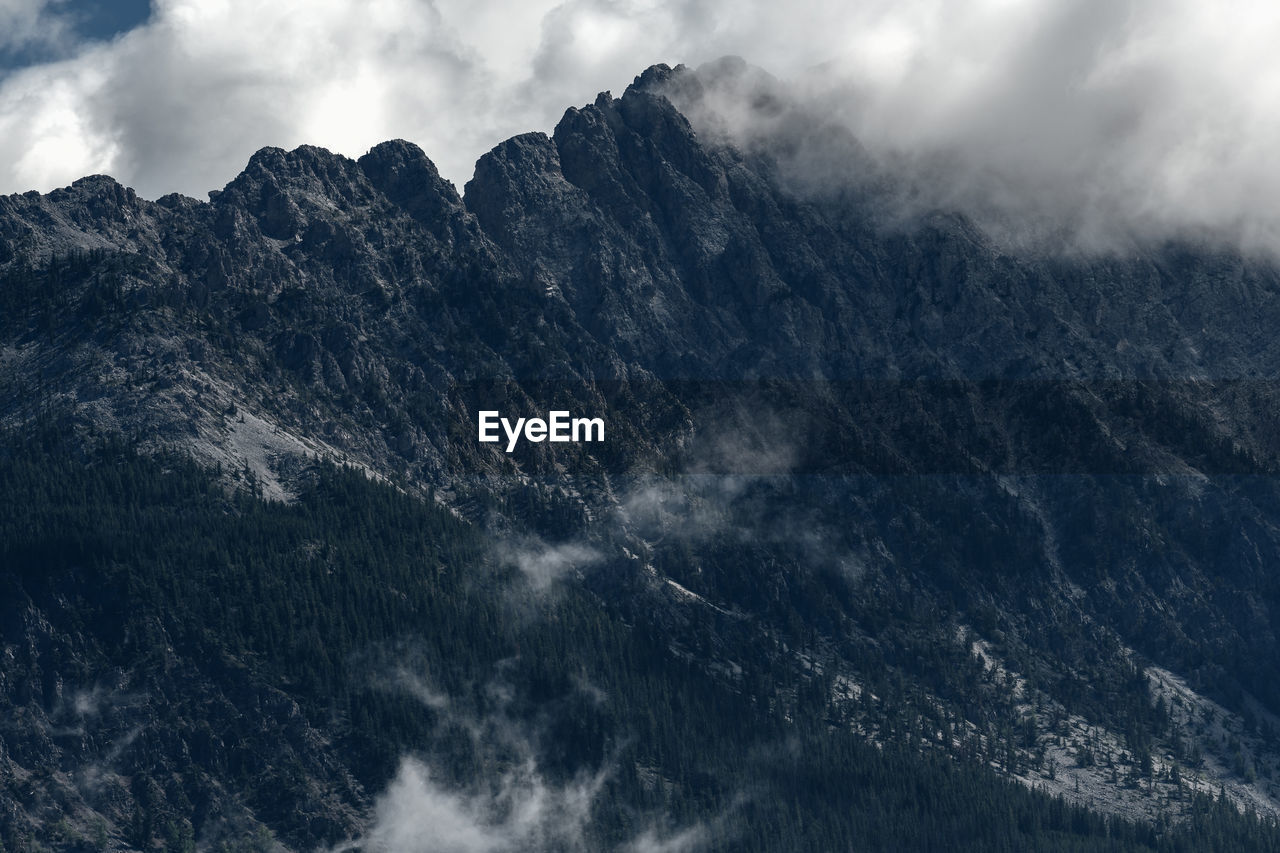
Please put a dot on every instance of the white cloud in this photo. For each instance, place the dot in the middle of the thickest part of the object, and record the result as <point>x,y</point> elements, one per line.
<point>521,812</point>
<point>515,808</point>
<point>543,564</point>
<point>1155,114</point>
<point>1141,115</point>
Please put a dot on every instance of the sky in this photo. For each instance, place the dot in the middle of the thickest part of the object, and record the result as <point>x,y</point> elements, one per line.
<point>32,33</point>
<point>1164,113</point>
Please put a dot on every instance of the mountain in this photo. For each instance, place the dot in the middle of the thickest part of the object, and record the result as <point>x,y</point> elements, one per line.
<point>899,536</point>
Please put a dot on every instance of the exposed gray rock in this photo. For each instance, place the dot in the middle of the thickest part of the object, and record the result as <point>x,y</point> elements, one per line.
<point>728,312</point>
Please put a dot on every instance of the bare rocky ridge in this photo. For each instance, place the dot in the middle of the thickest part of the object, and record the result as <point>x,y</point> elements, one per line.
<point>864,382</point>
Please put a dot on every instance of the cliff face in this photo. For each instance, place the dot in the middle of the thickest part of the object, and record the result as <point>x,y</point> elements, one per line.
<point>1046,462</point>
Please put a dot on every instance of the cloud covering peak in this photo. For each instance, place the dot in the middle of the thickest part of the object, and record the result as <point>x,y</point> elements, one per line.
<point>1160,114</point>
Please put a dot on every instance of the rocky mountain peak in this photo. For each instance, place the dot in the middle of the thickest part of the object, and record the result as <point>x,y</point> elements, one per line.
<point>285,190</point>
<point>103,188</point>
<point>657,77</point>
<point>403,173</point>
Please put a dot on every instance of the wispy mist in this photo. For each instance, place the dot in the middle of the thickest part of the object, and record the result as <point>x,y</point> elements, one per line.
<point>541,564</point>
<point>416,813</point>
<point>513,805</point>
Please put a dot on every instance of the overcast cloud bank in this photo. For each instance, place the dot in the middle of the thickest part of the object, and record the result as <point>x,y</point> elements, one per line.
<point>1089,115</point>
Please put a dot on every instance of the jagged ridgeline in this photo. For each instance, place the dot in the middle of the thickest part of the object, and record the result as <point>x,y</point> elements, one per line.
<point>897,537</point>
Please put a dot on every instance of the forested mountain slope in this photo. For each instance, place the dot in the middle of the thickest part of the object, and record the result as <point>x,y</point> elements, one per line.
<point>886,509</point>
